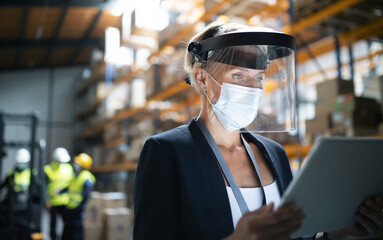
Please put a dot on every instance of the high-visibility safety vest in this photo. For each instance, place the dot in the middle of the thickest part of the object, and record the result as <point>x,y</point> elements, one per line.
<point>59,179</point>
<point>76,188</point>
<point>21,180</point>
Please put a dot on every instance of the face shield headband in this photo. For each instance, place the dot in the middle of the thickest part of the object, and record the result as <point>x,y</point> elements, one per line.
<point>252,50</point>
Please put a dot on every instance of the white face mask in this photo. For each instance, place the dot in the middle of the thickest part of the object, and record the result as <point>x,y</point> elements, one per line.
<point>237,106</point>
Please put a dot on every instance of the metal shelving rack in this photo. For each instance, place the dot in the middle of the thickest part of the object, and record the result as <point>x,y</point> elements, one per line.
<point>305,52</point>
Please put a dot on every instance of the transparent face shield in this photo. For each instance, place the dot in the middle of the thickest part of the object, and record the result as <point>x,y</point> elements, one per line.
<point>250,86</point>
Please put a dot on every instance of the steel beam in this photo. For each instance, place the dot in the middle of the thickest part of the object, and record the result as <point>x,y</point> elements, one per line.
<point>22,36</point>
<point>64,66</point>
<point>312,56</point>
<point>321,15</point>
<point>51,43</point>
<point>86,37</point>
<point>57,3</point>
<point>366,31</point>
<point>56,34</point>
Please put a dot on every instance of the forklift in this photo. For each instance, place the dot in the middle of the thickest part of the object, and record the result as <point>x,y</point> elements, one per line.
<point>22,221</point>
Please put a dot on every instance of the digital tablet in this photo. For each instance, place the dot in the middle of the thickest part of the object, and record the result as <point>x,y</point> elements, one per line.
<point>336,177</point>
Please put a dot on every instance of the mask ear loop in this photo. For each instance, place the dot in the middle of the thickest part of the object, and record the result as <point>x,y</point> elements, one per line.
<point>212,78</point>
<point>210,105</point>
<point>204,90</point>
<point>207,97</point>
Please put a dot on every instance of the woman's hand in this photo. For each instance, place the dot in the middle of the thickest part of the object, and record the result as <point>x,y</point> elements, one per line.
<point>369,218</point>
<point>265,223</point>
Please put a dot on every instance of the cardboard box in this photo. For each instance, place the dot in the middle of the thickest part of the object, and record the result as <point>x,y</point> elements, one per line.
<point>355,116</point>
<point>94,232</point>
<point>118,223</point>
<point>117,234</point>
<point>153,80</point>
<point>113,200</point>
<point>136,146</point>
<point>93,210</point>
<point>327,93</point>
<point>113,131</point>
<point>341,118</point>
<point>318,126</point>
<point>117,217</point>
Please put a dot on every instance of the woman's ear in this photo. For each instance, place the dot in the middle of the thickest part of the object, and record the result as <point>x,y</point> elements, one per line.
<point>200,79</point>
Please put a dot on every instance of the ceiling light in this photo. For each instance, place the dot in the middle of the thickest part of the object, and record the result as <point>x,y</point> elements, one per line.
<point>116,11</point>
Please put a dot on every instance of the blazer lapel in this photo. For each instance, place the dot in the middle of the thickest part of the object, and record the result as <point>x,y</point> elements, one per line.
<point>220,213</point>
<point>272,160</point>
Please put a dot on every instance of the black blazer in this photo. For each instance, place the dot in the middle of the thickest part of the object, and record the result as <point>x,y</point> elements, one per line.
<point>179,190</point>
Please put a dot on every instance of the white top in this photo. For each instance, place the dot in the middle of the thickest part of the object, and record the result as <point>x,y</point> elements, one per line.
<point>253,198</point>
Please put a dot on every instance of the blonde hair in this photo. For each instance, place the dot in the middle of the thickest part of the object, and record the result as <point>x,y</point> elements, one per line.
<point>212,30</point>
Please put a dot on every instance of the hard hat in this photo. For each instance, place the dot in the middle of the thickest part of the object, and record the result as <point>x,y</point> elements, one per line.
<point>84,160</point>
<point>22,156</point>
<point>61,155</point>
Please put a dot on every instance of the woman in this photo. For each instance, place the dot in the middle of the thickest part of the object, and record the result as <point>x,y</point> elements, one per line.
<point>213,179</point>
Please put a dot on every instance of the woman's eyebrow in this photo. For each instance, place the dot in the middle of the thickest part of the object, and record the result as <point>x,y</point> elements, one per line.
<point>236,69</point>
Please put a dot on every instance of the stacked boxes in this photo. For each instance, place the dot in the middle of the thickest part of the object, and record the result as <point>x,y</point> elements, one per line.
<point>116,100</point>
<point>339,112</point>
<point>139,132</point>
<point>118,223</point>
<point>355,116</point>
<point>113,132</point>
<point>162,76</point>
<point>152,77</point>
<point>93,221</point>
<point>106,217</point>
<point>327,93</point>
<point>113,200</point>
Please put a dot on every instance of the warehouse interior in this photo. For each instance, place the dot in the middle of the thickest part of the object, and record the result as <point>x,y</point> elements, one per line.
<point>102,76</point>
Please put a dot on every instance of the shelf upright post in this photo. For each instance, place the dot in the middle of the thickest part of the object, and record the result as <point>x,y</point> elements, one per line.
<point>337,52</point>
<point>351,62</point>
<point>33,188</point>
<point>297,100</point>
<point>2,152</point>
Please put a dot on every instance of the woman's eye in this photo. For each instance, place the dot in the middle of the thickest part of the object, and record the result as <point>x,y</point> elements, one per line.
<point>238,76</point>
<point>259,78</point>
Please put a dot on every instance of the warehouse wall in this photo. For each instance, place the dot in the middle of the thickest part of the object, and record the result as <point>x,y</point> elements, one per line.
<point>48,92</point>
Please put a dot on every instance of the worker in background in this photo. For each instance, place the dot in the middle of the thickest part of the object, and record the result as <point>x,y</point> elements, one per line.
<point>59,173</point>
<point>21,174</point>
<point>79,191</point>
<point>17,183</point>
